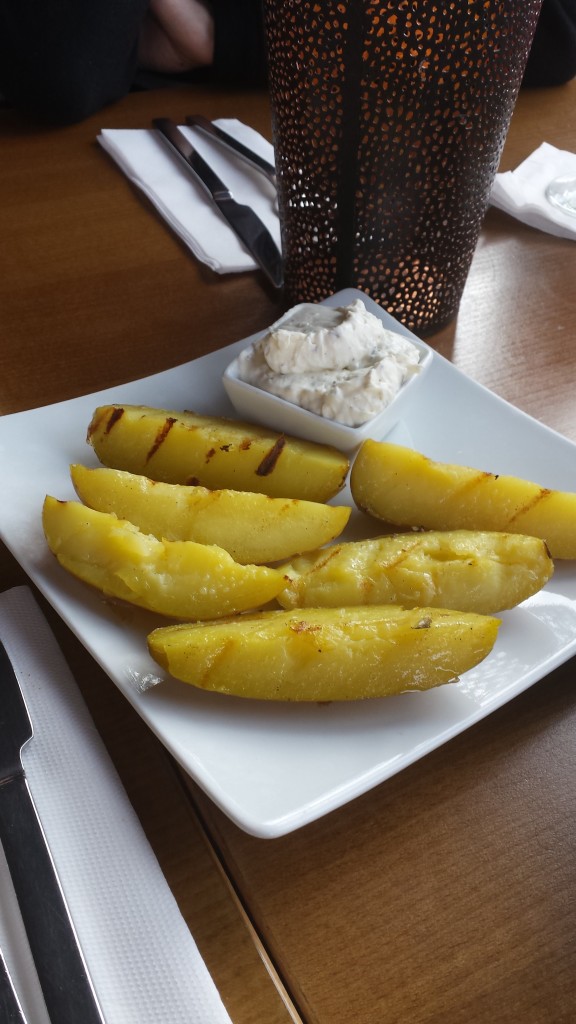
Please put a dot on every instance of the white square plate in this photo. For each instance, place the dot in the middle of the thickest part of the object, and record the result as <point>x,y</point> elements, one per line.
<point>275,767</point>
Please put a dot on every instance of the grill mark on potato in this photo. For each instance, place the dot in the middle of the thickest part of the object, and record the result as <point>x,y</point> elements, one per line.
<point>403,555</point>
<point>475,481</point>
<point>220,656</point>
<point>113,419</point>
<point>160,437</point>
<point>270,460</point>
<point>108,419</point>
<point>330,554</point>
<point>543,493</point>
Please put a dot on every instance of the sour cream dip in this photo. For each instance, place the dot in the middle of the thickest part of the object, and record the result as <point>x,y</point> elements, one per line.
<point>340,363</point>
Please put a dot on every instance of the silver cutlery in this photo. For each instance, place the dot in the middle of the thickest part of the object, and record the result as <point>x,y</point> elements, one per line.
<point>209,128</point>
<point>244,222</point>
<point>10,1008</point>
<point>62,972</point>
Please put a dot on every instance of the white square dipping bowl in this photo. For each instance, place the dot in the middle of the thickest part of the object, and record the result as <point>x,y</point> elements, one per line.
<point>255,405</point>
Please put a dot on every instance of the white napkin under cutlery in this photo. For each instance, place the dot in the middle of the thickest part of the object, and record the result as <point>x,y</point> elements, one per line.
<point>183,202</point>
<point>144,963</point>
<point>522,192</point>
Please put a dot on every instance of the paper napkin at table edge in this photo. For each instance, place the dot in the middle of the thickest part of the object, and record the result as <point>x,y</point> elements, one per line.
<point>522,192</point>
<point>181,200</point>
<point>144,963</point>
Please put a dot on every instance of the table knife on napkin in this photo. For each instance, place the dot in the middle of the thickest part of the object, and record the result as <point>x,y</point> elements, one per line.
<point>60,965</point>
<point>10,1008</point>
<point>234,145</point>
<point>243,221</point>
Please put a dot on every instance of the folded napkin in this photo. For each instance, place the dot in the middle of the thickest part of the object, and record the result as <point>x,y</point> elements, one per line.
<point>183,202</point>
<point>144,963</point>
<point>522,193</point>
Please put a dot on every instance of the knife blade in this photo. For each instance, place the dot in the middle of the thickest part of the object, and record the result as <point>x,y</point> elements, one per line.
<point>253,234</point>
<point>62,972</point>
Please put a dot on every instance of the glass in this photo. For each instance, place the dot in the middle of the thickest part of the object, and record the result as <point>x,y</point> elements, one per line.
<point>561,192</point>
<point>389,119</point>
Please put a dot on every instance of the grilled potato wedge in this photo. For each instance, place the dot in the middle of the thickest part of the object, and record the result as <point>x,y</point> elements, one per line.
<point>325,654</point>
<point>185,448</point>
<point>468,570</point>
<point>404,488</point>
<point>253,528</point>
<point>180,579</point>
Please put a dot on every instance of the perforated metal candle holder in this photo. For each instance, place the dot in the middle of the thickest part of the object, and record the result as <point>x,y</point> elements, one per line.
<point>389,121</point>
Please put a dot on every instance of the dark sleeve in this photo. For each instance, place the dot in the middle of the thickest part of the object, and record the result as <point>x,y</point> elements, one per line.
<point>62,60</point>
<point>239,50</point>
<point>552,59</point>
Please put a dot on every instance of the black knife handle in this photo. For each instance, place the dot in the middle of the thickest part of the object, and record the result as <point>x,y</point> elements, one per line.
<point>257,161</point>
<point>209,179</point>
<point>244,222</point>
<point>62,972</point>
<point>181,144</point>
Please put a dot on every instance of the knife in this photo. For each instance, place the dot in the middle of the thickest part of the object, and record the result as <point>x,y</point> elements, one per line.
<point>10,1008</point>
<point>60,965</point>
<point>257,161</point>
<point>244,222</point>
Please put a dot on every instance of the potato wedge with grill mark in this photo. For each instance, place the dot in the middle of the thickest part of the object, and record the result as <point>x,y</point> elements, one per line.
<point>180,579</point>
<point>186,448</point>
<point>325,654</point>
<point>468,570</point>
<point>253,528</point>
<point>404,488</point>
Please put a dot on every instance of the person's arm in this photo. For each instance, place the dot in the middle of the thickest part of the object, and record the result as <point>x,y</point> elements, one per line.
<point>176,36</point>
<point>552,59</point>
<point>236,42</point>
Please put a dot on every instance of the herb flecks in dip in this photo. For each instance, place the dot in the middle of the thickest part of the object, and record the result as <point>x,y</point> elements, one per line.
<point>341,363</point>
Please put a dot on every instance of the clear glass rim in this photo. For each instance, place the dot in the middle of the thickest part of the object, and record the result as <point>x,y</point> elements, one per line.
<point>561,193</point>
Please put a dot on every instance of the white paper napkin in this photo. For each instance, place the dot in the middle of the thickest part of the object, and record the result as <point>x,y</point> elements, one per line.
<point>522,193</point>
<point>144,963</point>
<point>183,202</point>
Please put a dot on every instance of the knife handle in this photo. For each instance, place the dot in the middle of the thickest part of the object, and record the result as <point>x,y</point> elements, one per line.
<point>257,161</point>
<point>208,178</point>
<point>182,146</point>
<point>60,965</point>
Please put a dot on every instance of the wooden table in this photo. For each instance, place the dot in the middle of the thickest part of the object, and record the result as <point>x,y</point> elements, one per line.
<point>446,894</point>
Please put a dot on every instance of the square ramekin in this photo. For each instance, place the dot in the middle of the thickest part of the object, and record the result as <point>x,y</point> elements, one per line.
<point>255,405</point>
